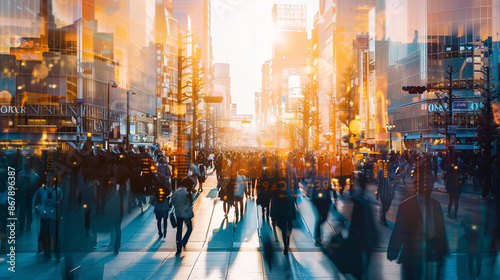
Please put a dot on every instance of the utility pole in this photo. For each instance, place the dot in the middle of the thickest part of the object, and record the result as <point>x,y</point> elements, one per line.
<point>449,114</point>
<point>196,87</point>
<point>449,118</point>
<point>180,60</point>
<point>316,116</point>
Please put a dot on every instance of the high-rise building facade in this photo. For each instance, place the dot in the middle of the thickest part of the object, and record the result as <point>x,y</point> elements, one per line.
<point>60,60</point>
<point>200,14</point>
<point>288,68</point>
<point>257,110</point>
<point>339,23</point>
<point>416,43</point>
<point>222,87</point>
<point>266,94</point>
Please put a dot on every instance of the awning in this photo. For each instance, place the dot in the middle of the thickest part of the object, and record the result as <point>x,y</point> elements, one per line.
<point>466,132</point>
<point>412,135</point>
<point>465,147</point>
<point>438,147</point>
<point>433,134</point>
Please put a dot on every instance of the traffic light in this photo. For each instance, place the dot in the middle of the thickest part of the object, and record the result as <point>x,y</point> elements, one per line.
<point>421,136</point>
<point>414,90</point>
<point>77,139</point>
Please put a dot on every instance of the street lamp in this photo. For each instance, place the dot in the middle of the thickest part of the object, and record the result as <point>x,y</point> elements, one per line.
<point>128,118</point>
<point>390,127</point>
<point>111,83</point>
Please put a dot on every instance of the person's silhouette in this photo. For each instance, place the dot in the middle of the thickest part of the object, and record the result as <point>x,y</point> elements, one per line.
<point>419,236</point>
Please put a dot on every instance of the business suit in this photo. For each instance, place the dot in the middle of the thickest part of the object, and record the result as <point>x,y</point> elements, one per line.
<point>409,244</point>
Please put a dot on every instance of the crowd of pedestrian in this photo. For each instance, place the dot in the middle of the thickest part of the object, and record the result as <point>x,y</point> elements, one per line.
<point>84,192</point>
<point>77,194</point>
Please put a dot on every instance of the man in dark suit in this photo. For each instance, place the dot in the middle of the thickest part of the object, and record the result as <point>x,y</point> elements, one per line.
<point>419,236</point>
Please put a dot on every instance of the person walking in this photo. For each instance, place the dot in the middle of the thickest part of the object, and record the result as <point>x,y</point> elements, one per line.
<point>435,166</point>
<point>182,200</point>
<point>46,201</point>
<point>194,174</point>
<point>453,186</point>
<point>321,194</point>
<point>419,236</point>
<point>386,190</point>
<point>202,176</point>
<point>27,182</point>
<point>239,192</point>
<point>162,204</point>
<point>282,202</point>
<point>263,186</point>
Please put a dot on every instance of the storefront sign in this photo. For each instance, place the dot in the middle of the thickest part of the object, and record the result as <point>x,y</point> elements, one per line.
<point>460,106</point>
<point>435,108</point>
<point>13,109</point>
<point>456,106</point>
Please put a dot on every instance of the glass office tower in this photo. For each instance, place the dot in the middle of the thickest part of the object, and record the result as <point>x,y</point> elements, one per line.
<point>416,43</point>
<point>57,59</point>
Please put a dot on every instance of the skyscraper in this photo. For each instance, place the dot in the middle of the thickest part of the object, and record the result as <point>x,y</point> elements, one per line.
<point>416,44</point>
<point>200,14</point>
<point>338,24</point>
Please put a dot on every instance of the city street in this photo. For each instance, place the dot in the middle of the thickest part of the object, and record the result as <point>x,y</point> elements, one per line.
<point>226,249</point>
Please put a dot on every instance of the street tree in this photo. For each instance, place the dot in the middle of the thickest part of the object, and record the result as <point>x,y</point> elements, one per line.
<point>487,129</point>
<point>189,67</point>
<point>348,103</point>
<point>307,114</point>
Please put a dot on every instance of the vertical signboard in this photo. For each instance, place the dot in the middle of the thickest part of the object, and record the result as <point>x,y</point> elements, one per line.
<point>48,161</point>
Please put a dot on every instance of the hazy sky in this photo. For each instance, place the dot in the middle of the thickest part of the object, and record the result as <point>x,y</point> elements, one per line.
<point>242,37</point>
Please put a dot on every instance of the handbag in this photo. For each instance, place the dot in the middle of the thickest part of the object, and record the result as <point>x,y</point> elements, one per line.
<point>172,218</point>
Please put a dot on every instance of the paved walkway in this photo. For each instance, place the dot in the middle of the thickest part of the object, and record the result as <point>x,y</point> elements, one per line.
<point>218,249</point>
<point>228,249</point>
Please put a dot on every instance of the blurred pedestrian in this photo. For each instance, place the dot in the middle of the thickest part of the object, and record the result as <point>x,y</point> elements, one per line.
<point>239,192</point>
<point>453,186</point>
<point>264,186</point>
<point>471,244</point>
<point>321,195</point>
<point>194,174</point>
<point>27,183</point>
<point>46,201</point>
<point>282,202</point>
<point>419,238</point>
<point>162,204</point>
<point>386,190</point>
<point>182,201</point>
<point>435,166</point>
<point>202,176</point>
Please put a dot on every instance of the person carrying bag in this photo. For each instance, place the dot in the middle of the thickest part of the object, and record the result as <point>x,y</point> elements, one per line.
<point>182,201</point>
